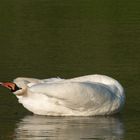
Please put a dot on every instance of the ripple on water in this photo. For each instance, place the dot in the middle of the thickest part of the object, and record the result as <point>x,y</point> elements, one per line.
<point>70,128</point>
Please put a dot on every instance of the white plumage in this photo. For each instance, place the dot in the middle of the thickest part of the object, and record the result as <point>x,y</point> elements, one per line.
<point>83,96</point>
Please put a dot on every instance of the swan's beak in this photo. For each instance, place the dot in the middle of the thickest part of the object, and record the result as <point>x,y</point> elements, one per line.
<point>8,85</point>
<point>11,86</point>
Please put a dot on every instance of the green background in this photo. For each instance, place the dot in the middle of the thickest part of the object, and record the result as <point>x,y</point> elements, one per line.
<point>50,38</point>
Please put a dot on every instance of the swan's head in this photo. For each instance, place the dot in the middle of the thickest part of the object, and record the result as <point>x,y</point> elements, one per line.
<point>17,90</point>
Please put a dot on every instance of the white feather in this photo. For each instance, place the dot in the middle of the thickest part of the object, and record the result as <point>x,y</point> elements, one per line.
<point>82,96</point>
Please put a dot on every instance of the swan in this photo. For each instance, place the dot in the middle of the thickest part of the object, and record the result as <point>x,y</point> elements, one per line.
<point>88,95</point>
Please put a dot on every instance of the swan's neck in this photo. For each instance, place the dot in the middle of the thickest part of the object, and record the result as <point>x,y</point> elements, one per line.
<point>22,91</point>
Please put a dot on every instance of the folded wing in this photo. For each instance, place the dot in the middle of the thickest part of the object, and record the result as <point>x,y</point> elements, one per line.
<point>75,94</point>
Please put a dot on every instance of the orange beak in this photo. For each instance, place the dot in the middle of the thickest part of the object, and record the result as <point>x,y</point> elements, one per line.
<point>11,86</point>
<point>8,85</point>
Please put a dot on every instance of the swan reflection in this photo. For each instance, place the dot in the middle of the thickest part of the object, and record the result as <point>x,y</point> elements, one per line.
<point>69,128</point>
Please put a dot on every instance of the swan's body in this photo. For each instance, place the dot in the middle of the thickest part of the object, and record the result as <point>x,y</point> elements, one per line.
<point>82,96</point>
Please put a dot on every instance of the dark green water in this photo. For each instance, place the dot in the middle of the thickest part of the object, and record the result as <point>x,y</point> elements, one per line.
<point>50,38</point>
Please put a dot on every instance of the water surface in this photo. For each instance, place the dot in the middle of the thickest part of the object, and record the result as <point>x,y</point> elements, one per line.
<point>70,128</point>
<point>50,38</point>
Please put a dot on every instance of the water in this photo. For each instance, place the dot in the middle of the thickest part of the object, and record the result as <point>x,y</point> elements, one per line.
<point>50,38</point>
<point>70,128</point>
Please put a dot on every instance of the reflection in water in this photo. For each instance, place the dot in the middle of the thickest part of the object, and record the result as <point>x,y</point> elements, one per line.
<point>69,128</point>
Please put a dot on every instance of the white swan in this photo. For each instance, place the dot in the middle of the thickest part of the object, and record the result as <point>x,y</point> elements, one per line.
<point>83,96</point>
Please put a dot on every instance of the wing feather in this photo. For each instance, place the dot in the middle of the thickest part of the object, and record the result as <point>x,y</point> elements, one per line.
<point>74,94</point>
